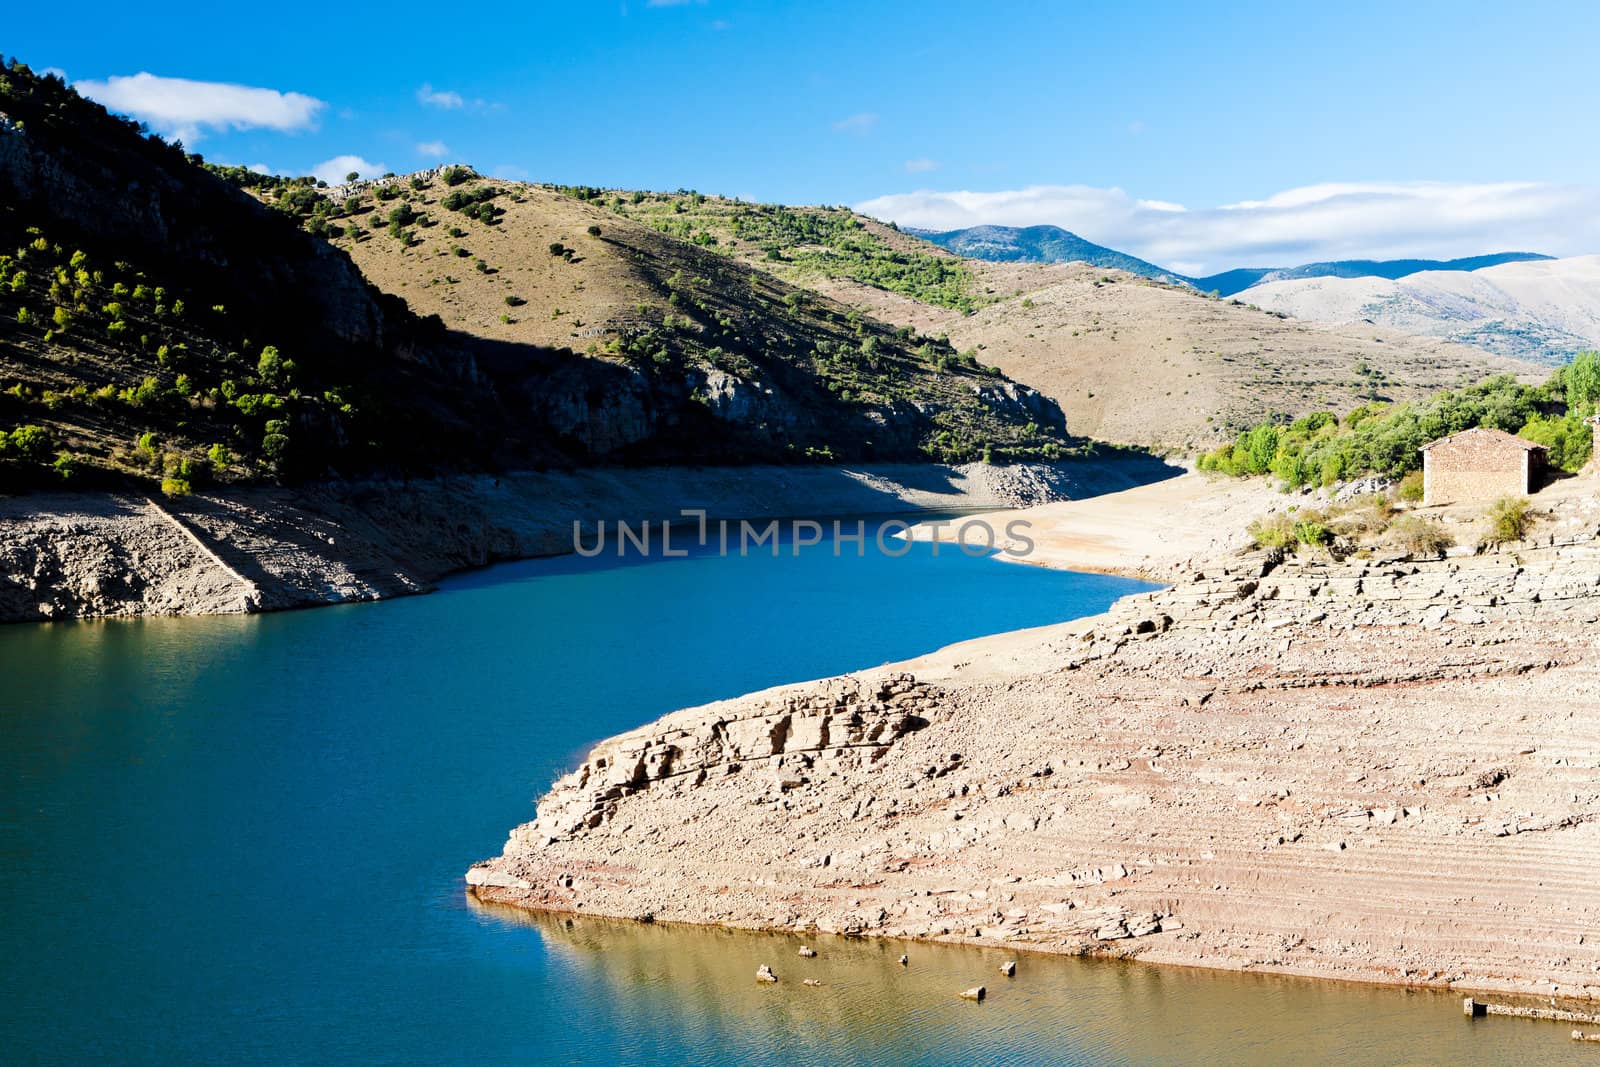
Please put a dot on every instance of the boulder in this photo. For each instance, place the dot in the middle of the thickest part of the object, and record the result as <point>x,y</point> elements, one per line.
<point>764,974</point>
<point>977,992</point>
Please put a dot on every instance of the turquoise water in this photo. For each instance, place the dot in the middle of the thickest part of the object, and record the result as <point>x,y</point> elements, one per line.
<point>241,840</point>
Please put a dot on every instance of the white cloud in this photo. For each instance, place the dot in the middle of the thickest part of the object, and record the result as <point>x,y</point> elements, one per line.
<point>860,124</point>
<point>920,166</point>
<point>184,109</point>
<point>511,172</point>
<point>1365,220</point>
<point>443,99</point>
<point>333,170</point>
<point>433,149</point>
<point>262,168</point>
<point>54,72</point>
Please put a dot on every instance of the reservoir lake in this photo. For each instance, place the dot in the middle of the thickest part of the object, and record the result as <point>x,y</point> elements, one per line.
<point>242,840</point>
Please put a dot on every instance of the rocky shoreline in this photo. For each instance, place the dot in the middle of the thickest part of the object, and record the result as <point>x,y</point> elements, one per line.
<point>66,556</point>
<point>1379,769</point>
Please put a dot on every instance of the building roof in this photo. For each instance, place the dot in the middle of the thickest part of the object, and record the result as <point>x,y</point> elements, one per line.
<point>1484,433</point>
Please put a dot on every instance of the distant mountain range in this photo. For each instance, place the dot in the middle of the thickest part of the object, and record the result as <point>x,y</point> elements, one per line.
<point>1052,244</point>
<point>1545,311</point>
<point>1040,244</point>
<point>1235,281</point>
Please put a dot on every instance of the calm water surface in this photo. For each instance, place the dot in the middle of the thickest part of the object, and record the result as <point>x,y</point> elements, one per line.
<point>241,840</point>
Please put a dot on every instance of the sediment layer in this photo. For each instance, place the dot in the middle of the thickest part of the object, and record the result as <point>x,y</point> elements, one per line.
<point>1377,769</point>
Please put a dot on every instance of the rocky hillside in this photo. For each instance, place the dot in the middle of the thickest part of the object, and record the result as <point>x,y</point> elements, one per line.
<point>146,330</point>
<point>514,266</point>
<point>1545,310</point>
<point>1129,359</point>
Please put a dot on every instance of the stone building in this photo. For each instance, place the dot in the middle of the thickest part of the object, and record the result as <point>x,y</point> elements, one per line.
<point>1479,465</point>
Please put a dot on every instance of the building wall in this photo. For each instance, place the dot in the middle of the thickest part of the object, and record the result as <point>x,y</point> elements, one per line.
<point>1472,470</point>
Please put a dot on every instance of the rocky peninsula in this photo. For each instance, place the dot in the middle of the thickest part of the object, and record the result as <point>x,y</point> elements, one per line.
<point>1382,768</point>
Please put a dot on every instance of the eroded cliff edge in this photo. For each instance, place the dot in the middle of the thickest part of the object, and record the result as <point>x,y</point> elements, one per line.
<point>84,555</point>
<point>1380,769</point>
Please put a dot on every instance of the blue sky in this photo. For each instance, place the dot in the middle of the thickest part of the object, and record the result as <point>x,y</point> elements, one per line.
<point>897,105</point>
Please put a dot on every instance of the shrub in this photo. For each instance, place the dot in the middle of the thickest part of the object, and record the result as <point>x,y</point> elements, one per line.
<point>514,301</point>
<point>1410,487</point>
<point>594,231</point>
<point>1419,536</point>
<point>1272,531</point>
<point>1509,520</point>
<point>270,365</point>
<point>1312,534</point>
<point>455,175</point>
<point>31,443</point>
<point>557,248</point>
<point>172,485</point>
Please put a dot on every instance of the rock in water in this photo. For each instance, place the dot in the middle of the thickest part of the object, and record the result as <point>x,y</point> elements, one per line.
<point>811,982</point>
<point>1009,968</point>
<point>977,992</point>
<point>905,961</point>
<point>764,974</point>
<point>807,951</point>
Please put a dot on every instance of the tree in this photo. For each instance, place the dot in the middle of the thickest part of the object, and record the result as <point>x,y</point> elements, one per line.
<point>594,231</point>
<point>270,365</point>
<point>352,176</point>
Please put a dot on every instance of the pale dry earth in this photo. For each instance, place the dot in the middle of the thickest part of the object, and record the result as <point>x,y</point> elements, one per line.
<point>1380,769</point>
<point>85,555</point>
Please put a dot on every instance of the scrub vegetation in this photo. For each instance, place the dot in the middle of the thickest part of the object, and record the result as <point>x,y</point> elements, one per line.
<point>1321,449</point>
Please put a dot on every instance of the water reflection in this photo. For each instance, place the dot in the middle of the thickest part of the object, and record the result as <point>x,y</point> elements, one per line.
<point>1056,1010</point>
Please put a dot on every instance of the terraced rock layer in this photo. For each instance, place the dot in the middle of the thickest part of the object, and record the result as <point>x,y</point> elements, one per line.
<point>1384,770</point>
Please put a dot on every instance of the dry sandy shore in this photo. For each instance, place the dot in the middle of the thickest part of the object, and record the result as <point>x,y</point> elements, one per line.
<point>83,555</point>
<point>1382,770</point>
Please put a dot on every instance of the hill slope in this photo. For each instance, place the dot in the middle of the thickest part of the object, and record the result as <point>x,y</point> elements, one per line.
<point>727,342</point>
<point>1135,361</point>
<point>159,322</point>
<point>1544,310</point>
<point>1129,359</point>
